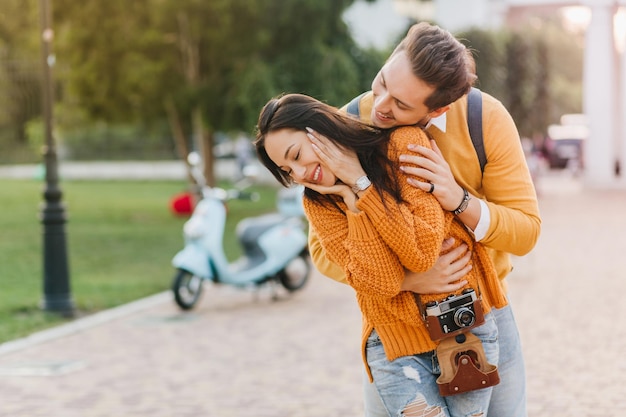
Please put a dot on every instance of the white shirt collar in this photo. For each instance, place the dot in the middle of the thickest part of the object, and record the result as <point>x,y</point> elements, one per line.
<point>439,122</point>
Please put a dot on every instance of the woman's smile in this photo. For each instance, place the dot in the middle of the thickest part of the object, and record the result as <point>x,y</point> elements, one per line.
<point>317,175</point>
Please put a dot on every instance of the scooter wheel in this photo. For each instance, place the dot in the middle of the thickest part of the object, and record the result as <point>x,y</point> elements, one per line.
<point>187,289</point>
<point>296,273</point>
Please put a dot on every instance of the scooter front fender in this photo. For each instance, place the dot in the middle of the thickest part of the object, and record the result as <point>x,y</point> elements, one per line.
<point>194,259</point>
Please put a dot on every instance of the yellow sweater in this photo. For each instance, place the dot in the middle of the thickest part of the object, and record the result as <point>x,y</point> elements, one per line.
<point>505,185</point>
<point>376,245</point>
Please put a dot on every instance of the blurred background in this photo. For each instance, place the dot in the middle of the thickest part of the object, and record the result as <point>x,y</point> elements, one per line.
<point>136,86</point>
<point>153,79</point>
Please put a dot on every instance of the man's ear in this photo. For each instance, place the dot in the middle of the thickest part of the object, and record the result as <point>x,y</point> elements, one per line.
<point>438,112</point>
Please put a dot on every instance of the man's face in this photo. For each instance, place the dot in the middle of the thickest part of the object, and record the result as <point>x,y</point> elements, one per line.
<point>399,95</point>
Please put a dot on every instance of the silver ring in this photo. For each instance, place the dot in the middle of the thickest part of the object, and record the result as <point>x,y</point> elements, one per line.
<point>432,188</point>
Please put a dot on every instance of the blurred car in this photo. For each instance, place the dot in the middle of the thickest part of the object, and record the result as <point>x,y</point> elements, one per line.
<point>564,144</point>
<point>233,146</point>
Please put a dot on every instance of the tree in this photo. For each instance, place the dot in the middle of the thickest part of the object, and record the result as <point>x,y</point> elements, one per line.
<point>20,70</point>
<point>209,66</point>
<point>488,50</point>
<point>536,71</point>
<point>519,96</point>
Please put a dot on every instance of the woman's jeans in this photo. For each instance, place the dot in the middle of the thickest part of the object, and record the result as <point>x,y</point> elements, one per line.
<point>508,398</point>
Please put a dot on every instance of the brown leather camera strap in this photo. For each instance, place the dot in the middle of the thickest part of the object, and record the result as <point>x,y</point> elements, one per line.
<point>464,366</point>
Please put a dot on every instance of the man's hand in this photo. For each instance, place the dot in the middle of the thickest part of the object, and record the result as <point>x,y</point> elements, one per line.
<point>432,167</point>
<point>445,276</point>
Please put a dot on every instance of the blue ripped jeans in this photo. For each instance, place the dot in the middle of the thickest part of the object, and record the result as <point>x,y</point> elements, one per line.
<point>410,382</point>
<point>508,397</point>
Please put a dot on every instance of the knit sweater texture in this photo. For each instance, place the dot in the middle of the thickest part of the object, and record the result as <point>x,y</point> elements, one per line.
<point>376,245</point>
<point>505,185</point>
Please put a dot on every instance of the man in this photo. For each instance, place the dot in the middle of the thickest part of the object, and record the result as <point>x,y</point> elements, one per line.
<point>424,82</point>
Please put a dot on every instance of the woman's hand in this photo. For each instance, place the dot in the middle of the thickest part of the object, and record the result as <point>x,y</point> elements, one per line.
<point>339,189</point>
<point>432,167</point>
<point>344,163</point>
<point>445,276</point>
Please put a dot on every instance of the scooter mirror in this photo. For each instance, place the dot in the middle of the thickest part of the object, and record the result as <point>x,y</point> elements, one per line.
<point>193,158</point>
<point>251,172</point>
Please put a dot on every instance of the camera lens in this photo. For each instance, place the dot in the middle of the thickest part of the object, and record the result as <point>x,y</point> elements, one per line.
<point>464,317</point>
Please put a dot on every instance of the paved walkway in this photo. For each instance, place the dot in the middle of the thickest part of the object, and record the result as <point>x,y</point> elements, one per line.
<point>240,354</point>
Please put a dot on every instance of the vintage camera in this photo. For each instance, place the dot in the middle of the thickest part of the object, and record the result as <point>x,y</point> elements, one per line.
<point>456,314</point>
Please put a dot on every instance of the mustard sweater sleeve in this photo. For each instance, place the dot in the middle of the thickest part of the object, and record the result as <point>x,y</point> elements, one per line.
<point>351,240</point>
<point>419,218</point>
<point>376,245</point>
<point>508,187</point>
<point>321,261</point>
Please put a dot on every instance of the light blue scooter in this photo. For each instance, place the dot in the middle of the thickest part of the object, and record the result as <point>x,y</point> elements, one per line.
<point>274,245</point>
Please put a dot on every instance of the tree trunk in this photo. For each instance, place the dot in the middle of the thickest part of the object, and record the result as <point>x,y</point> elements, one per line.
<point>180,141</point>
<point>204,143</point>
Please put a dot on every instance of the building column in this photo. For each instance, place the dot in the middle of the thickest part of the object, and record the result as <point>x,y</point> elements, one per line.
<point>599,95</point>
<point>621,120</point>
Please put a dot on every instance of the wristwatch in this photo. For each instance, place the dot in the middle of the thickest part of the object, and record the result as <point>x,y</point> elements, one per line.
<point>361,184</point>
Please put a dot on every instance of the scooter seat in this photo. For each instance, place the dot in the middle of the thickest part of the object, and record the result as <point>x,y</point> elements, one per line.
<point>251,228</point>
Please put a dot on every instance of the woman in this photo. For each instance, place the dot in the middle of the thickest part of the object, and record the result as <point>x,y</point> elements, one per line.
<point>375,225</point>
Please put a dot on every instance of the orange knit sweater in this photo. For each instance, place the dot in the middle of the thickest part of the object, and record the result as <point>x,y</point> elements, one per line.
<point>375,246</point>
<point>505,186</point>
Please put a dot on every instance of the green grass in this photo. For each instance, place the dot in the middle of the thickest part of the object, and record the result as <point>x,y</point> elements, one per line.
<point>121,238</point>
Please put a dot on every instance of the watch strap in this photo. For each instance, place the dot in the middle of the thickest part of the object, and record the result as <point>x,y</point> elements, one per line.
<point>464,203</point>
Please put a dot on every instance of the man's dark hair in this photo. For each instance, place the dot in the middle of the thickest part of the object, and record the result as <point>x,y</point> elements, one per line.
<point>441,61</point>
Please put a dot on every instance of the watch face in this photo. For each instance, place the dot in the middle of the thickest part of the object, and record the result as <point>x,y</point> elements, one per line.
<point>361,184</point>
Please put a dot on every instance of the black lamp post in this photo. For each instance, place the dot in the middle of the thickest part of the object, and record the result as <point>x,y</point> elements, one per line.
<point>57,297</point>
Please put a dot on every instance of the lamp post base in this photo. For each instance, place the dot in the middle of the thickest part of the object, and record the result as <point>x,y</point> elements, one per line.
<point>59,303</point>
<point>56,280</point>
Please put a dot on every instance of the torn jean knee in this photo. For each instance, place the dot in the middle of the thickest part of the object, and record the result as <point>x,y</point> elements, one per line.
<point>409,383</point>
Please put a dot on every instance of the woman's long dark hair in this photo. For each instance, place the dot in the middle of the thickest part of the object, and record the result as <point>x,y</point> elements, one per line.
<point>297,112</point>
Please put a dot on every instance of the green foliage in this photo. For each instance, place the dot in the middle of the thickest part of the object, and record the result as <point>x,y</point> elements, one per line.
<point>20,65</point>
<point>35,135</point>
<point>17,20</point>
<point>224,58</point>
<point>119,62</point>
<point>116,141</point>
<point>488,49</point>
<point>110,47</point>
<point>536,72</point>
<point>214,54</point>
<point>121,238</point>
<point>519,58</point>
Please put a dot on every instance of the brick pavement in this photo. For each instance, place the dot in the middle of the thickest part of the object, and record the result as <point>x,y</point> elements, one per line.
<point>236,354</point>
<point>568,295</point>
<point>239,354</point>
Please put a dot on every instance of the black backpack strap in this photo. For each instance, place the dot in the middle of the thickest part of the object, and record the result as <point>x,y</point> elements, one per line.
<point>353,106</point>
<point>475,124</point>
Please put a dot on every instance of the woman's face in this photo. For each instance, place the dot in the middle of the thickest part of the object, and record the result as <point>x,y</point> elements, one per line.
<point>291,151</point>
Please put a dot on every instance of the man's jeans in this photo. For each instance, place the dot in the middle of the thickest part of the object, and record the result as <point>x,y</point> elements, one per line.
<point>508,397</point>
